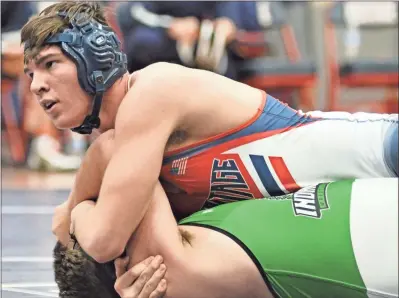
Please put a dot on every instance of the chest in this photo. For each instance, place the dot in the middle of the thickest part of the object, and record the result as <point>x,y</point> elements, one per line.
<point>205,177</point>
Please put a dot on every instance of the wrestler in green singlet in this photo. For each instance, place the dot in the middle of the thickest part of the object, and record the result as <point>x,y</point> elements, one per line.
<point>332,240</point>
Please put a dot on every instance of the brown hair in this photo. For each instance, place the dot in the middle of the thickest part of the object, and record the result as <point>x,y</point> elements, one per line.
<point>79,276</point>
<point>45,25</point>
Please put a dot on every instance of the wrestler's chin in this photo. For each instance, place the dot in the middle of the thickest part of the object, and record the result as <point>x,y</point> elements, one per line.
<point>64,122</point>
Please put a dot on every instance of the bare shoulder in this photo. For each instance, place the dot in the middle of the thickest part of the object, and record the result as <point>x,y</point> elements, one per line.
<point>150,101</point>
<point>155,93</point>
<point>162,69</point>
<point>174,78</point>
<point>181,80</point>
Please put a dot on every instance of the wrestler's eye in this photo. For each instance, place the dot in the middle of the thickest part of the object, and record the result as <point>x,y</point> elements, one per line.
<point>49,64</point>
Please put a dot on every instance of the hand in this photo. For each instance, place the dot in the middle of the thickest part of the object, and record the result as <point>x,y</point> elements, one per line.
<point>184,29</point>
<point>61,223</point>
<point>144,280</point>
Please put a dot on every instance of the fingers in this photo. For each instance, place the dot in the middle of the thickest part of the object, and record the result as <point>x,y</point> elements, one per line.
<point>160,290</point>
<point>127,278</point>
<point>154,285</point>
<point>120,266</point>
<point>147,274</point>
<point>131,283</point>
<point>60,224</point>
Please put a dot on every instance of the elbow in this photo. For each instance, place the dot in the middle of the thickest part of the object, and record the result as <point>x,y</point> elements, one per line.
<point>104,248</point>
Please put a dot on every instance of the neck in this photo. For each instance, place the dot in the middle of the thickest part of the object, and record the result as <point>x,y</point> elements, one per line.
<point>111,102</point>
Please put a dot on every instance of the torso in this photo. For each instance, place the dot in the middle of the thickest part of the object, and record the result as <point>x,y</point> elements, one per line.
<point>234,143</point>
<point>271,150</point>
<point>323,241</point>
<point>216,267</point>
<point>209,264</point>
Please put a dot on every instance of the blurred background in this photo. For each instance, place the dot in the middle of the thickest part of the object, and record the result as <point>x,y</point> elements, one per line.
<point>312,55</point>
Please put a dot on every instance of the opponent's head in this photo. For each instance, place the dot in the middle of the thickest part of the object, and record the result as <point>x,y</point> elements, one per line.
<point>79,276</point>
<point>73,57</point>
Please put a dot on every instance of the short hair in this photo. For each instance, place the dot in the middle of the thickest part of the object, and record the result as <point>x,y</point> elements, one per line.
<point>48,23</point>
<point>79,276</point>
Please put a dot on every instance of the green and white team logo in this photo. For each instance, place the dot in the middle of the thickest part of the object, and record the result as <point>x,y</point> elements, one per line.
<point>309,201</point>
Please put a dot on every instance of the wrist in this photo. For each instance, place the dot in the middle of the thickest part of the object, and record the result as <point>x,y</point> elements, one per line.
<point>81,210</point>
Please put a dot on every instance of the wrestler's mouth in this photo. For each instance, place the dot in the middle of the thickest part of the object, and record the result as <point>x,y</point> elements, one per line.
<point>47,104</point>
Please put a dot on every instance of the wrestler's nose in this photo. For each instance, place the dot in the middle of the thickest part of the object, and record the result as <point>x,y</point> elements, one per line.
<point>39,85</point>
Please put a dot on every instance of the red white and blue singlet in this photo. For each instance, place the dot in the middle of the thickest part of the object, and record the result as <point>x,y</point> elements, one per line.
<point>279,151</point>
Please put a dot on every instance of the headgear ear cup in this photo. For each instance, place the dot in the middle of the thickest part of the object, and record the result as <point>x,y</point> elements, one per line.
<point>96,51</point>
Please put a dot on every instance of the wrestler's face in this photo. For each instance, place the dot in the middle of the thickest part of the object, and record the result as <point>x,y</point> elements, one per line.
<point>54,82</point>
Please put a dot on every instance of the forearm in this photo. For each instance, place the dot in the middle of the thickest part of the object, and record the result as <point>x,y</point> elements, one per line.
<point>102,235</point>
<point>85,228</point>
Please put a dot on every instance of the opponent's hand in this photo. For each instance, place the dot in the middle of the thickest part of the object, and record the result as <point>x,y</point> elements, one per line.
<point>184,29</point>
<point>144,280</point>
<point>61,223</point>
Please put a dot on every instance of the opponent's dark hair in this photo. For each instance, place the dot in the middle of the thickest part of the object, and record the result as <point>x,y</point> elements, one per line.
<point>79,276</point>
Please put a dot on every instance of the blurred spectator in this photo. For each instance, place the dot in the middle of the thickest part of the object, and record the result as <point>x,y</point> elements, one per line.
<point>165,31</point>
<point>45,151</point>
<point>14,14</point>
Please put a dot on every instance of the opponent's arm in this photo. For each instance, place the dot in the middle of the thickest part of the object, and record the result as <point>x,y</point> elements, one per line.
<point>146,119</point>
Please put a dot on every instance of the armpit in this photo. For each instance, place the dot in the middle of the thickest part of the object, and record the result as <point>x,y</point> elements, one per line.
<point>186,237</point>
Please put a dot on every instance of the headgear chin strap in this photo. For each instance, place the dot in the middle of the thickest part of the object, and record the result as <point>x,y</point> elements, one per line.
<point>96,51</point>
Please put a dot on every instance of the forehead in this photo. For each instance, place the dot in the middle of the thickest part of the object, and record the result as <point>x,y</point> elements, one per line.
<point>49,50</point>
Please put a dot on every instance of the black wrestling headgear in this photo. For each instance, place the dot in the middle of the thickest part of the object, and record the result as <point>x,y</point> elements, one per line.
<point>96,51</point>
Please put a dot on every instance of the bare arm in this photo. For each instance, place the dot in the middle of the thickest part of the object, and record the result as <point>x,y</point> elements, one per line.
<point>145,120</point>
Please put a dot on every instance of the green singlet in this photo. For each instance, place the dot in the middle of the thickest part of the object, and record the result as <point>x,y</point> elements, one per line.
<point>336,239</point>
